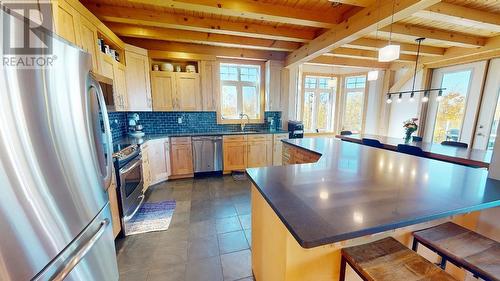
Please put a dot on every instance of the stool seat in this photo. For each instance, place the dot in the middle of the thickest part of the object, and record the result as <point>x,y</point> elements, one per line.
<point>389,260</point>
<point>464,248</point>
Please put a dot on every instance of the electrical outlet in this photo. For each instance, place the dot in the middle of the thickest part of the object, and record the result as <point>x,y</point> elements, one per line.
<point>179,120</point>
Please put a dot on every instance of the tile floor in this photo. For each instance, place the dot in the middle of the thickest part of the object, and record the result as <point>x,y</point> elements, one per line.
<point>208,238</point>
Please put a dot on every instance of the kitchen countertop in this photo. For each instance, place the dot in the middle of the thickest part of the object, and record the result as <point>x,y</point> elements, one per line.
<point>132,140</point>
<point>356,190</point>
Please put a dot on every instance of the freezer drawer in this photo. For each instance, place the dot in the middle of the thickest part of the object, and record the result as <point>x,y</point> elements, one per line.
<point>207,154</point>
<point>91,256</point>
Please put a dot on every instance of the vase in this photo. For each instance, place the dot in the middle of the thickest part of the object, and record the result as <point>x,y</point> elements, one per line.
<point>408,136</point>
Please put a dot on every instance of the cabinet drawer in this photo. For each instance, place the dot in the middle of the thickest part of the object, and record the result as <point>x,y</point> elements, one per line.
<point>235,138</point>
<point>279,137</point>
<point>262,137</point>
<point>180,140</point>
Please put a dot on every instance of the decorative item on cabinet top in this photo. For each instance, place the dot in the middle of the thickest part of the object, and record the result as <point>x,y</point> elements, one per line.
<point>175,66</point>
<point>192,122</point>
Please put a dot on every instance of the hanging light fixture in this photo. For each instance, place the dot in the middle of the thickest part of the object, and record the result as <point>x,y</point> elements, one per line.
<point>332,83</point>
<point>426,96</point>
<point>389,52</point>
<point>372,75</point>
<point>426,92</point>
<point>389,100</point>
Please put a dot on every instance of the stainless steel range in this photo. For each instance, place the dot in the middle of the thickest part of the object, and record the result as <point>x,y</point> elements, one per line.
<point>129,181</point>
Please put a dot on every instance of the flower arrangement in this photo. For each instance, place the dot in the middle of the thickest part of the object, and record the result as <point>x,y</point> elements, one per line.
<point>410,127</point>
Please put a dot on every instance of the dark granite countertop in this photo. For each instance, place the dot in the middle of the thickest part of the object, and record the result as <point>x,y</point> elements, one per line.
<point>356,190</point>
<point>131,140</point>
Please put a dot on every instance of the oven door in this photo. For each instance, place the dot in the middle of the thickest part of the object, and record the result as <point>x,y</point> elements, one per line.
<point>131,183</point>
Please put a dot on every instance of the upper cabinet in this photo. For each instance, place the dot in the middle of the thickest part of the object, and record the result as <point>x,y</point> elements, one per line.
<point>179,91</point>
<point>209,84</point>
<point>163,89</point>
<point>88,35</point>
<point>137,79</point>
<point>66,21</point>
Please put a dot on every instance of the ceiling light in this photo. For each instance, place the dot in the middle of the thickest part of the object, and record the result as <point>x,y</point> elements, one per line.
<point>332,83</point>
<point>372,75</point>
<point>426,96</point>
<point>400,98</point>
<point>412,97</point>
<point>440,95</point>
<point>389,100</point>
<point>389,53</point>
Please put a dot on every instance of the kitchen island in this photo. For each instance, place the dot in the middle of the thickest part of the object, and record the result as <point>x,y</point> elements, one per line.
<point>302,215</point>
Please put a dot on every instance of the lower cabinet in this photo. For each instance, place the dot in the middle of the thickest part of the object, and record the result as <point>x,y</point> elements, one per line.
<point>113,204</point>
<point>235,153</point>
<point>181,157</point>
<point>259,151</point>
<point>295,155</point>
<point>159,155</point>
<point>277,148</point>
<point>146,166</point>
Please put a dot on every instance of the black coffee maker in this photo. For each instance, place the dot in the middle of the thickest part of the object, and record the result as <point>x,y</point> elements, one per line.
<point>295,129</point>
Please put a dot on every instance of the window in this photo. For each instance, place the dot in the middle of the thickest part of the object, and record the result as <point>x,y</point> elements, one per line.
<point>354,103</point>
<point>241,91</point>
<point>319,102</point>
<point>494,125</point>
<point>451,109</point>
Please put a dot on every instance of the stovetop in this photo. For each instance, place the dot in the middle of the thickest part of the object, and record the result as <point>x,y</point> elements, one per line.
<point>123,153</point>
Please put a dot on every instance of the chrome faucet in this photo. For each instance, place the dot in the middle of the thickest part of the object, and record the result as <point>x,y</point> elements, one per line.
<point>242,123</point>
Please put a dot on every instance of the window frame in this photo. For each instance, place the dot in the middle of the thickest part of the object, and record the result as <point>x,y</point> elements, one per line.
<point>333,99</point>
<point>240,84</point>
<point>343,95</point>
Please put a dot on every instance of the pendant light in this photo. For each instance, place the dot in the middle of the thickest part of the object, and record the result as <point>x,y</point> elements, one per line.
<point>389,52</point>
<point>332,83</point>
<point>372,75</point>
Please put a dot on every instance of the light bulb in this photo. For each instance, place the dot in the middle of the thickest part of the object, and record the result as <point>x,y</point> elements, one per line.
<point>425,99</point>
<point>439,98</point>
<point>389,100</point>
<point>399,100</point>
<point>389,53</point>
<point>372,75</point>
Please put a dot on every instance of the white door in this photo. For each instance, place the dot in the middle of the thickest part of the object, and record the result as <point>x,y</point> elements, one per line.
<point>453,117</point>
<point>489,114</point>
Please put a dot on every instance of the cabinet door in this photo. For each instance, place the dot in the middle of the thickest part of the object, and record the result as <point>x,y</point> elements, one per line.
<point>158,156</point>
<point>67,22</point>
<point>235,156</point>
<point>208,85</point>
<point>278,148</point>
<point>257,152</point>
<point>188,96</point>
<point>88,34</point>
<point>120,85</point>
<point>106,65</point>
<point>113,205</point>
<point>146,167</point>
<point>181,156</point>
<point>162,90</point>
<point>138,85</point>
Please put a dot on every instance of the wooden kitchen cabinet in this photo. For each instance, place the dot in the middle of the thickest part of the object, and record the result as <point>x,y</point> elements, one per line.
<point>209,84</point>
<point>278,148</point>
<point>259,151</point>
<point>116,71</point>
<point>88,35</point>
<point>138,81</point>
<point>159,155</point>
<point>175,91</point>
<point>188,95</point>
<point>66,21</point>
<point>163,90</point>
<point>113,205</point>
<point>234,153</point>
<point>181,157</point>
<point>146,166</point>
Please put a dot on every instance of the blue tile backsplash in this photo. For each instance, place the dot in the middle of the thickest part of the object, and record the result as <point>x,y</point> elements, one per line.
<point>192,122</point>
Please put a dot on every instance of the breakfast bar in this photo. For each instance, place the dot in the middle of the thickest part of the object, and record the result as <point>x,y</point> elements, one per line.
<point>302,215</point>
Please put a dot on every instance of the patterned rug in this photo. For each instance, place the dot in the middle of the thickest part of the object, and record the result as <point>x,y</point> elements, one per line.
<point>155,216</point>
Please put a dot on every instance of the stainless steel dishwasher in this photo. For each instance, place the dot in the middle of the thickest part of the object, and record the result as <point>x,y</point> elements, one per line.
<point>207,152</point>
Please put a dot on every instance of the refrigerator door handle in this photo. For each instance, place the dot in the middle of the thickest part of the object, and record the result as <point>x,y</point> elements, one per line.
<point>80,254</point>
<point>96,88</point>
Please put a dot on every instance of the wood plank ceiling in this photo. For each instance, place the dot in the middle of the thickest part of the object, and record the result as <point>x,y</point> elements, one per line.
<point>318,31</point>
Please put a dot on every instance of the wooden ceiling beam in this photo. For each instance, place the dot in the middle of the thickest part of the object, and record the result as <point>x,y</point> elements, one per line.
<point>449,37</point>
<point>410,49</point>
<point>365,54</point>
<point>359,3</point>
<point>253,10</point>
<point>360,24</point>
<point>185,36</point>
<point>201,24</point>
<point>336,61</point>
<point>462,16</point>
<point>159,48</point>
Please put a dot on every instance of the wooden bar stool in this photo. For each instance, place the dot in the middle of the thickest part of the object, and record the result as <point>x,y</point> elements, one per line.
<point>462,247</point>
<point>389,260</point>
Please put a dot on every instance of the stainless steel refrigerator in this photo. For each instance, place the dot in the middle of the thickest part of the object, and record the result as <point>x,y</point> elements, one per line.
<point>55,168</point>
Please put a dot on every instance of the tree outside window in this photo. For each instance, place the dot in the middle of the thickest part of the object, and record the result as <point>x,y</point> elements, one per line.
<point>354,89</point>
<point>240,91</point>
<point>319,102</point>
